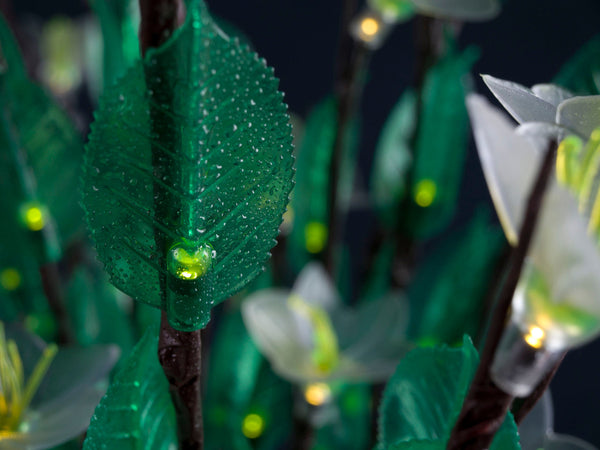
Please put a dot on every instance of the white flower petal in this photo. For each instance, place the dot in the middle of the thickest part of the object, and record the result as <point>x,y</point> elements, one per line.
<point>551,93</point>
<point>563,442</point>
<point>314,286</point>
<point>540,133</point>
<point>279,333</point>
<point>581,114</point>
<point>509,162</point>
<point>520,101</point>
<point>536,425</point>
<point>472,10</point>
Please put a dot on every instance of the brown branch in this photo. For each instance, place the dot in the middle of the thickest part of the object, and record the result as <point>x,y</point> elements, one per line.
<point>486,405</point>
<point>179,352</point>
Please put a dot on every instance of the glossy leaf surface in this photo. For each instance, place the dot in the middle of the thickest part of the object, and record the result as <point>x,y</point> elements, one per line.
<point>188,171</point>
<point>136,412</point>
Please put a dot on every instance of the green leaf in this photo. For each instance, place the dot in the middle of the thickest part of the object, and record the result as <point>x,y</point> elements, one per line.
<point>393,157</point>
<point>581,73</point>
<point>10,55</point>
<point>424,397</point>
<point>463,268</point>
<point>309,198</point>
<point>41,155</point>
<point>441,145</point>
<point>136,412</point>
<point>188,171</point>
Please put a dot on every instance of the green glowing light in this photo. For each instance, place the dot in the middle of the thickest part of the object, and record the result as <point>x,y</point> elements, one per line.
<point>253,426</point>
<point>33,216</point>
<point>188,262</point>
<point>425,192</point>
<point>315,235</point>
<point>10,279</point>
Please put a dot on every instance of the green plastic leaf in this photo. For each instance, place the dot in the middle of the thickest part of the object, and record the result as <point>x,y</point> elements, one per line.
<point>581,73</point>
<point>41,155</point>
<point>309,198</point>
<point>463,268</point>
<point>118,21</point>
<point>424,397</point>
<point>188,171</point>
<point>96,316</point>
<point>393,158</point>
<point>441,145</point>
<point>136,412</point>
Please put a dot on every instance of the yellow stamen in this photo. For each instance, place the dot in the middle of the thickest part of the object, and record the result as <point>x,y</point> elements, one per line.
<point>567,160</point>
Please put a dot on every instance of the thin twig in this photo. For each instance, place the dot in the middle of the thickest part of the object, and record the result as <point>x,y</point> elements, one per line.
<point>179,352</point>
<point>486,405</point>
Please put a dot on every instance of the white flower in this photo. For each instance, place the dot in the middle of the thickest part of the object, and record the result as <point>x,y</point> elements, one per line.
<point>557,296</point>
<point>40,409</point>
<point>470,10</point>
<point>309,336</point>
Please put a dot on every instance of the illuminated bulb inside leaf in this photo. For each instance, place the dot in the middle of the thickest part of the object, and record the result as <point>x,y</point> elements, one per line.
<point>317,393</point>
<point>535,337</point>
<point>253,426</point>
<point>425,192</point>
<point>315,235</point>
<point>33,216</point>
<point>189,262</point>
<point>10,279</point>
<point>15,394</point>
<point>393,10</point>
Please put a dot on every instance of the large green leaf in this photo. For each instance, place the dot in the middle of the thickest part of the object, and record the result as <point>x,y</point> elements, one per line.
<point>423,398</point>
<point>581,73</point>
<point>463,268</point>
<point>136,412</point>
<point>441,145</point>
<point>188,171</point>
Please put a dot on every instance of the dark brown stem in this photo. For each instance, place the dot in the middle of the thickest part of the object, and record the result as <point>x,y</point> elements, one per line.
<point>486,405</point>
<point>51,283</point>
<point>303,434</point>
<point>522,408</point>
<point>179,353</point>
<point>352,59</point>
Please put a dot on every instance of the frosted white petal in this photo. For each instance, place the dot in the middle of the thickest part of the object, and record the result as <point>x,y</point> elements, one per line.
<point>314,286</point>
<point>535,426</point>
<point>581,114</point>
<point>563,442</point>
<point>281,335</point>
<point>551,93</point>
<point>472,10</point>
<point>509,162</point>
<point>520,101</point>
<point>541,133</point>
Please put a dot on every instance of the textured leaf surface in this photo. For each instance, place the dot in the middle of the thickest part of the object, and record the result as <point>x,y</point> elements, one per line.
<point>393,158</point>
<point>189,159</point>
<point>136,412</point>
<point>422,400</point>
<point>441,145</point>
<point>581,73</point>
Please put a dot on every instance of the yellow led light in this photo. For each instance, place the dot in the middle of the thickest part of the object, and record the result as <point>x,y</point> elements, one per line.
<point>33,217</point>
<point>10,279</point>
<point>253,426</point>
<point>315,235</point>
<point>317,393</point>
<point>425,192</point>
<point>535,337</point>
<point>369,27</point>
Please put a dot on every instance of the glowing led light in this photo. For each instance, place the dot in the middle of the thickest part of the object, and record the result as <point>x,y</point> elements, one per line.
<point>315,235</point>
<point>535,337</point>
<point>317,393</point>
<point>33,216</point>
<point>425,192</point>
<point>369,26</point>
<point>189,262</point>
<point>10,279</point>
<point>253,426</point>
